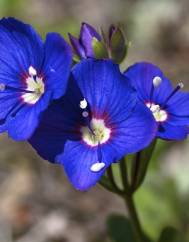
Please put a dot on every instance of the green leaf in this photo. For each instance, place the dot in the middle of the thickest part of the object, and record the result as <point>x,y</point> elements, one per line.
<point>99,49</point>
<point>170,234</point>
<point>119,229</point>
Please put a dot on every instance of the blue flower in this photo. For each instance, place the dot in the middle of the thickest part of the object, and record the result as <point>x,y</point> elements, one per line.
<point>98,121</point>
<point>170,106</point>
<point>83,47</point>
<point>32,74</point>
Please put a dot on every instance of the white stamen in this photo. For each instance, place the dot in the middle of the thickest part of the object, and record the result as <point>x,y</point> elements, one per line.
<point>159,114</point>
<point>2,87</point>
<point>85,114</point>
<point>149,105</point>
<point>96,167</point>
<point>162,115</point>
<point>155,108</point>
<point>35,85</point>
<point>100,135</point>
<point>83,104</point>
<point>157,81</point>
<point>181,84</point>
<point>32,71</point>
<point>52,70</point>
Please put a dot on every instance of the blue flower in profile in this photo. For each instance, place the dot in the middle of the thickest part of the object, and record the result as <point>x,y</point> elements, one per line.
<point>97,122</point>
<point>170,106</point>
<point>32,74</point>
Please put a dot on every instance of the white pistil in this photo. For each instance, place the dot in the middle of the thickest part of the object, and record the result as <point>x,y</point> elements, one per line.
<point>96,167</point>
<point>2,86</point>
<point>101,133</point>
<point>32,71</point>
<point>157,81</point>
<point>35,85</point>
<point>83,104</point>
<point>85,114</point>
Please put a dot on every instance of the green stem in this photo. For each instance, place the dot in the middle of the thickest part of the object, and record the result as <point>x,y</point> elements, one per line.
<point>137,229</point>
<point>135,170</point>
<point>112,181</point>
<point>104,181</point>
<point>148,157</point>
<point>128,198</point>
<point>140,166</point>
<point>124,175</point>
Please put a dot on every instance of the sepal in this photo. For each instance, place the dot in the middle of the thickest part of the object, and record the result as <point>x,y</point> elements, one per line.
<point>118,45</point>
<point>99,49</point>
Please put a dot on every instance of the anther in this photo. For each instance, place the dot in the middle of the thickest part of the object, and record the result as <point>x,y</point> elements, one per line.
<point>32,71</point>
<point>155,108</point>
<point>181,85</point>
<point>83,104</point>
<point>157,81</point>
<point>52,70</point>
<point>96,167</point>
<point>2,86</point>
<point>85,114</point>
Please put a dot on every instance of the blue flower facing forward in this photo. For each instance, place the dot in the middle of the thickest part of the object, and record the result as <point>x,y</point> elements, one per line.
<point>97,122</point>
<point>170,106</point>
<point>32,73</point>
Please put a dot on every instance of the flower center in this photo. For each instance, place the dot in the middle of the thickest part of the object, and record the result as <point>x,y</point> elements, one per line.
<point>35,85</point>
<point>98,134</point>
<point>159,114</point>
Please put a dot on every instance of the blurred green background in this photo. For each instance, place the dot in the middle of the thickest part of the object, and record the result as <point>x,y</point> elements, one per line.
<point>37,203</point>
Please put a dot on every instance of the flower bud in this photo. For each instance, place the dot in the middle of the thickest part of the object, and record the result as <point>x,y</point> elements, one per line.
<point>117,44</point>
<point>89,44</point>
<point>77,47</point>
<point>87,35</point>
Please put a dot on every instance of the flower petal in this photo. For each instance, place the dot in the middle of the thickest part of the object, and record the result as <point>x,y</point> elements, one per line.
<point>141,76</point>
<point>78,48</point>
<point>134,133</point>
<point>106,90</point>
<point>25,48</point>
<point>87,34</point>
<point>178,109</point>
<point>22,125</point>
<point>8,101</point>
<point>170,132</point>
<point>59,123</point>
<point>58,58</point>
<point>79,170</point>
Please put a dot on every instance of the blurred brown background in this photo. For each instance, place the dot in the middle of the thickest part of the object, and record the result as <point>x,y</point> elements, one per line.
<point>37,203</point>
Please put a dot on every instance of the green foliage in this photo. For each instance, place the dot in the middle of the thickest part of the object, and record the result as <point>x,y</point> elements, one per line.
<point>170,234</point>
<point>119,229</point>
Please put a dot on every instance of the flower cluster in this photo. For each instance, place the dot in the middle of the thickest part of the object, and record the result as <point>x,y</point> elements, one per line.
<point>89,115</point>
